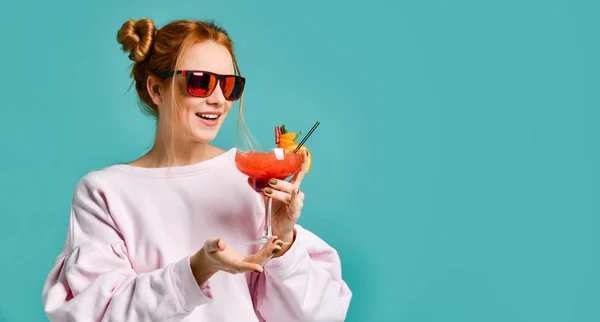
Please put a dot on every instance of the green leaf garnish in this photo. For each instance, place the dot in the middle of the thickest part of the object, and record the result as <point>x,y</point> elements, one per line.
<point>297,135</point>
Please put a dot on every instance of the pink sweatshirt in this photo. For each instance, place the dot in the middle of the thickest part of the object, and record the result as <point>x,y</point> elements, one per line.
<point>131,234</point>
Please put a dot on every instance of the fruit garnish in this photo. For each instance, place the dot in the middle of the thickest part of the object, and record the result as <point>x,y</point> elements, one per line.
<point>287,140</point>
<point>277,134</point>
<point>288,137</point>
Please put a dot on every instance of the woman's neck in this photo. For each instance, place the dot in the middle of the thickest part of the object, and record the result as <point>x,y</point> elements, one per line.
<point>163,154</point>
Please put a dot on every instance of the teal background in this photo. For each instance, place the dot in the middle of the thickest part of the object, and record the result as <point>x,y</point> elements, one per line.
<point>455,167</point>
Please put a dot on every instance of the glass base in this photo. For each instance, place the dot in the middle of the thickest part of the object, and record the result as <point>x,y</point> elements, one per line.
<point>263,240</point>
<point>259,241</point>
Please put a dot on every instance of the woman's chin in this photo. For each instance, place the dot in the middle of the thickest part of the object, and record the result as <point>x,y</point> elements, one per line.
<point>204,131</point>
<point>204,135</point>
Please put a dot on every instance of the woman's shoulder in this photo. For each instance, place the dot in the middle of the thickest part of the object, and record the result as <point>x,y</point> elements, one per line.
<point>98,178</point>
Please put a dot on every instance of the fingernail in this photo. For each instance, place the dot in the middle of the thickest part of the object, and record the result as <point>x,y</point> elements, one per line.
<point>218,240</point>
<point>256,271</point>
<point>280,244</point>
<point>275,251</point>
<point>268,191</point>
<point>273,181</point>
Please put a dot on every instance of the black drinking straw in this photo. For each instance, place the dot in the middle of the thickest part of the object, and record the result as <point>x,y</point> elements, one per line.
<point>306,137</point>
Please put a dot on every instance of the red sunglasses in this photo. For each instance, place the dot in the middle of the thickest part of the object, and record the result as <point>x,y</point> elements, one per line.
<point>202,83</point>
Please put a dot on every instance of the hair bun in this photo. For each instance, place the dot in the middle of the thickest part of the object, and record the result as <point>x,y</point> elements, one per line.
<point>136,38</point>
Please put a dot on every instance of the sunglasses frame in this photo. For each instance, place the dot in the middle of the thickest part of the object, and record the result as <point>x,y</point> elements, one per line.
<point>186,73</point>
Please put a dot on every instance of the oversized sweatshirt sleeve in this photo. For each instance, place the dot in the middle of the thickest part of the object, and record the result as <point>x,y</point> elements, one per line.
<point>305,284</point>
<point>93,279</point>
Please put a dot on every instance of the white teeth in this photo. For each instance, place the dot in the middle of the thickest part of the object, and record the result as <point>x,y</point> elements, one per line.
<point>209,116</point>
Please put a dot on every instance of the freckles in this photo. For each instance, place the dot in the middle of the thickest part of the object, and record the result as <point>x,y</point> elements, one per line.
<point>228,105</point>
<point>191,103</point>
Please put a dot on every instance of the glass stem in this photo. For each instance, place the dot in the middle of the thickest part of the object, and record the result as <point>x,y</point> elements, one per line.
<point>268,227</point>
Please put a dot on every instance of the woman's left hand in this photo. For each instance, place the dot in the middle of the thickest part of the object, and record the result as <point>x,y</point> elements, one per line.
<point>288,201</point>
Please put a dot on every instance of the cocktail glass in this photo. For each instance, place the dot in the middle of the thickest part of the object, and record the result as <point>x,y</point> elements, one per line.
<point>262,164</point>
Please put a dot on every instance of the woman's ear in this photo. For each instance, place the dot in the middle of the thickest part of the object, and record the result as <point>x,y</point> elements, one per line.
<point>154,90</point>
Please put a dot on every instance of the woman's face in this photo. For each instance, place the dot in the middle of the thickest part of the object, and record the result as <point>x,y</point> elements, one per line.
<point>201,117</point>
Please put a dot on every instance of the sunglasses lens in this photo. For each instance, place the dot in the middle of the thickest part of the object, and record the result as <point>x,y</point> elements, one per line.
<point>232,87</point>
<point>201,84</point>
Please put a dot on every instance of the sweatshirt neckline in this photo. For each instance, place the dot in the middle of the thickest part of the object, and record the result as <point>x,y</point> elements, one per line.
<point>222,159</point>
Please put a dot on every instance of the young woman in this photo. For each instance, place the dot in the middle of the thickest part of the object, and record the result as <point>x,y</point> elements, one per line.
<point>162,238</point>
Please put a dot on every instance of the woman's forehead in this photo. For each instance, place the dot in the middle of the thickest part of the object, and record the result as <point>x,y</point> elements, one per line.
<point>208,56</point>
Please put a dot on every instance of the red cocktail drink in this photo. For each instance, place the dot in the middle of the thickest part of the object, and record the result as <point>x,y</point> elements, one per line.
<point>264,165</point>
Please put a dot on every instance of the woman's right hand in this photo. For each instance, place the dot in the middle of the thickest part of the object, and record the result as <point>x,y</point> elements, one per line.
<point>214,256</point>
